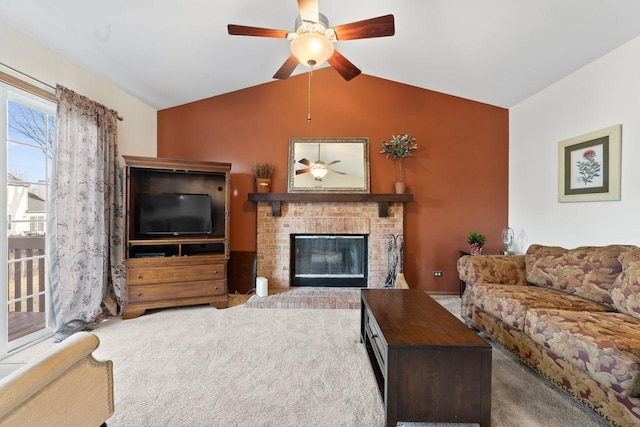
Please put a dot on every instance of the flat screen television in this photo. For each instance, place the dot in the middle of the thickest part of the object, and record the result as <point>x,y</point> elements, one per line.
<point>173,214</point>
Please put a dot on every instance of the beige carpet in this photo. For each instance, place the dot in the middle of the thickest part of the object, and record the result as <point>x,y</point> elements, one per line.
<point>199,366</point>
<point>240,367</point>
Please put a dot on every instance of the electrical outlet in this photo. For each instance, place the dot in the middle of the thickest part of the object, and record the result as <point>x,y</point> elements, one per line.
<point>437,273</point>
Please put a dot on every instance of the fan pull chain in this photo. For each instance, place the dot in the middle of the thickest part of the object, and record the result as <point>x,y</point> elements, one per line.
<point>309,101</point>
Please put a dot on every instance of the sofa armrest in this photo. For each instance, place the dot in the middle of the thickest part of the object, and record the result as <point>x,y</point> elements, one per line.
<point>499,269</point>
<point>65,386</point>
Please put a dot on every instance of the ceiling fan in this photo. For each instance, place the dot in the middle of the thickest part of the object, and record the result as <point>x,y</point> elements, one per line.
<point>312,41</point>
<point>318,168</point>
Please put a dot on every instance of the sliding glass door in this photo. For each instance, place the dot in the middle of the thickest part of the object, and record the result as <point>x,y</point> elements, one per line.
<point>27,134</point>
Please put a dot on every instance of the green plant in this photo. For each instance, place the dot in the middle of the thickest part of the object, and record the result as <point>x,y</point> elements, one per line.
<point>263,170</point>
<point>477,238</point>
<point>399,147</point>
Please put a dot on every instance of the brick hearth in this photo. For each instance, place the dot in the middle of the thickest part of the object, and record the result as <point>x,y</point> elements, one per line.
<point>314,298</point>
<point>273,238</point>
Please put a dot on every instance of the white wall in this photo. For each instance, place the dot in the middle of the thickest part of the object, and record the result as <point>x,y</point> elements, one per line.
<point>604,93</point>
<point>137,134</point>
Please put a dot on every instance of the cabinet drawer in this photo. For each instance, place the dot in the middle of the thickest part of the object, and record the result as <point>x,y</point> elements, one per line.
<point>140,276</point>
<point>145,293</point>
<point>377,341</point>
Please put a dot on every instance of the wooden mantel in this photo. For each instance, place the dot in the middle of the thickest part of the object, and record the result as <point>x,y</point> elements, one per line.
<point>382,200</point>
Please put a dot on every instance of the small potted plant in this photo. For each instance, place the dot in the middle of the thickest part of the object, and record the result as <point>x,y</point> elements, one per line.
<point>399,147</point>
<point>263,173</point>
<point>476,241</point>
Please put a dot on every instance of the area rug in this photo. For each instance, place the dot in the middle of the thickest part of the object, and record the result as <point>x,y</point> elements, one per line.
<point>198,366</point>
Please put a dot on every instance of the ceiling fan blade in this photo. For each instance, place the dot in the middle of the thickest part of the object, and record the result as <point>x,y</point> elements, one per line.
<point>341,173</point>
<point>242,30</point>
<point>343,66</point>
<point>305,162</point>
<point>308,10</point>
<point>332,163</point>
<point>287,68</point>
<point>299,171</point>
<point>382,26</point>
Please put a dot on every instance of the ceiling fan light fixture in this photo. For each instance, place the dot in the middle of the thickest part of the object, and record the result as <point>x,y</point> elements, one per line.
<point>318,171</point>
<point>312,49</point>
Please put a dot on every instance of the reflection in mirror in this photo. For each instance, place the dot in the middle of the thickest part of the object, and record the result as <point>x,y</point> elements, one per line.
<point>329,165</point>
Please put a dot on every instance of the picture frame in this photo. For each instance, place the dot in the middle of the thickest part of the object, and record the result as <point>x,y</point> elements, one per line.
<point>589,166</point>
<point>326,165</point>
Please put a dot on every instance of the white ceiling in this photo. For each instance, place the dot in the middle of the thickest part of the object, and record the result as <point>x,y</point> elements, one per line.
<point>168,53</point>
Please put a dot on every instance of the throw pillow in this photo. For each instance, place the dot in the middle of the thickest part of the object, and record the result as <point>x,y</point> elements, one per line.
<point>626,290</point>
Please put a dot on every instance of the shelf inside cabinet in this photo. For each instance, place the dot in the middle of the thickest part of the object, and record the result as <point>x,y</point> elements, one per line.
<point>173,248</point>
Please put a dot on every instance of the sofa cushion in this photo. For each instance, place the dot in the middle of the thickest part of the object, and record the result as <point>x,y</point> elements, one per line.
<point>604,345</point>
<point>626,288</point>
<point>510,303</point>
<point>587,271</point>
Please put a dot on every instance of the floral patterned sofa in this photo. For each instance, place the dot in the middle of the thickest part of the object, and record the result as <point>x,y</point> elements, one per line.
<point>571,314</point>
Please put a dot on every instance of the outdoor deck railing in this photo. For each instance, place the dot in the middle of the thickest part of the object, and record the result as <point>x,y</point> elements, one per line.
<point>26,285</point>
<point>26,274</point>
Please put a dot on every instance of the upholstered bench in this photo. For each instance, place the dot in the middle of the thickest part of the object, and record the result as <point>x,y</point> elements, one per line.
<point>65,387</point>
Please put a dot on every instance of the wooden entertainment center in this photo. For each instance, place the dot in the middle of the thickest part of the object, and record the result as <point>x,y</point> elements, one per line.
<point>182,269</point>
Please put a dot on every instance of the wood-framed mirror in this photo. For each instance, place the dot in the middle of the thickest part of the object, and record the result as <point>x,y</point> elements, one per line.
<point>327,165</point>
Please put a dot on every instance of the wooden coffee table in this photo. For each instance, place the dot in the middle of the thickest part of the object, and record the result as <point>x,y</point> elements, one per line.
<point>429,366</point>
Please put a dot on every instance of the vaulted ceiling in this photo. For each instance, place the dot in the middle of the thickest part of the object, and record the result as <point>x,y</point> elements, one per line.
<point>168,53</point>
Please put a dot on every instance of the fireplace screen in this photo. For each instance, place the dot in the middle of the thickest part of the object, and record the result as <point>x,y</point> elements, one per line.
<point>329,260</point>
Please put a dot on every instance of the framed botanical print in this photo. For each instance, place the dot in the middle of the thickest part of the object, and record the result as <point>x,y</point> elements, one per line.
<point>589,166</point>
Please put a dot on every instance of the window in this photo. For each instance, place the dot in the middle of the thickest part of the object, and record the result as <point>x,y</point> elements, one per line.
<point>36,225</point>
<point>27,131</point>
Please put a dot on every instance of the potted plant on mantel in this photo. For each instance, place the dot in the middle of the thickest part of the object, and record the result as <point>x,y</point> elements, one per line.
<point>476,242</point>
<point>263,173</point>
<point>398,148</point>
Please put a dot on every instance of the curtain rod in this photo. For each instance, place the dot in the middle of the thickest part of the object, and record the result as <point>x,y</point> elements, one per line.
<point>120,118</point>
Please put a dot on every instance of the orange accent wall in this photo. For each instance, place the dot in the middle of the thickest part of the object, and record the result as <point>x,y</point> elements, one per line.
<point>458,175</point>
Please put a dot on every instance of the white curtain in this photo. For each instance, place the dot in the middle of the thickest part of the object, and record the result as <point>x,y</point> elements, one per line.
<point>86,222</point>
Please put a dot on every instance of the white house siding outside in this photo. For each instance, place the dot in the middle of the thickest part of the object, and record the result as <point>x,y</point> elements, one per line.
<point>25,208</point>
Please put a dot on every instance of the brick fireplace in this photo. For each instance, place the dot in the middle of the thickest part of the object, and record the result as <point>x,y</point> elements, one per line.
<point>304,217</point>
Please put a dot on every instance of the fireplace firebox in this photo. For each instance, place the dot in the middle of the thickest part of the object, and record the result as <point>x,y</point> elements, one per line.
<point>329,260</point>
